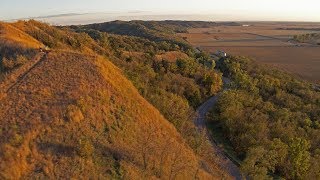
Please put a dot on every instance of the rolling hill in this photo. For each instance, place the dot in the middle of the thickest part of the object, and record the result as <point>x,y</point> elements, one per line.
<point>71,113</point>
<point>9,32</point>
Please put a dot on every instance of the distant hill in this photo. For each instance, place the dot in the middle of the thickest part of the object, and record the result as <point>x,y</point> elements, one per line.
<point>152,30</point>
<point>70,113</point>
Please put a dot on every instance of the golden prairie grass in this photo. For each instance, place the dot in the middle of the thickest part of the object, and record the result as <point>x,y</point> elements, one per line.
<point>10,32</point>
<point>75,115</point>
<point>114,132</point>
<point>171,56</point>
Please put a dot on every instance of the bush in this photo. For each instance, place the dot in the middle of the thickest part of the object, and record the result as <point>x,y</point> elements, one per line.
<point>10,63</point>
<point>74,114</point>
<point>85,148</point>
<point>7,64</point>
<point>16,140</point>
<point>21,60</point>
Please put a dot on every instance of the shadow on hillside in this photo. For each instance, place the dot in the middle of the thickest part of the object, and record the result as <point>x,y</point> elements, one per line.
<point>57,149</point>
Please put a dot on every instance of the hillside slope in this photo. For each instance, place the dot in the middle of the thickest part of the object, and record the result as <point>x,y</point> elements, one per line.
<point>70,113</point>
<point>11,33</point>
<point>76,116</point>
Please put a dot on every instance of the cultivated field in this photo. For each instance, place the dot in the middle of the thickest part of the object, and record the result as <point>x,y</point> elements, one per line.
<point>269,43</point>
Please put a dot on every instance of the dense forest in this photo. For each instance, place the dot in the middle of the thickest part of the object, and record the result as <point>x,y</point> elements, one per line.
<point>272,120</point>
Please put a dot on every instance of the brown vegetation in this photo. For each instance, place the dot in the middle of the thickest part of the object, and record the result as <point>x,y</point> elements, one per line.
<point>107,116</point>
<point>171,56</point>
<point>10,32</point>
<point>74,115</point>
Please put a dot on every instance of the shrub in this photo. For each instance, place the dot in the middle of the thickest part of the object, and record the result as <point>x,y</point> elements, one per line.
<point>21,60</point>
<point>16,140</point>
<point>74,114</point>
<point>85,148</point>
<point>7,64</point>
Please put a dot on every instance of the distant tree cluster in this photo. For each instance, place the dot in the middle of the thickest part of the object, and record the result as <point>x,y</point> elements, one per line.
<point>272,120</point>
<point>153,31</point>
<point>307,38</point>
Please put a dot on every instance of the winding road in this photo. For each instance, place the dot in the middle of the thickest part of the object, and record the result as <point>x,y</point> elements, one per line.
<point>200,123</point>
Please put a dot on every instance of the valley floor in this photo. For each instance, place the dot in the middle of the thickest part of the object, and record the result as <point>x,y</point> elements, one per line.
<point>267,43</point>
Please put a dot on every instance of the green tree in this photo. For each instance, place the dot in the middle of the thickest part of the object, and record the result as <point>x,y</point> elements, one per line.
<point>256,166</point>
<point>299,157</point>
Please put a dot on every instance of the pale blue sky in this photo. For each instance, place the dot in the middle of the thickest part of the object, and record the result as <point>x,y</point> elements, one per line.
<point>307,10</point>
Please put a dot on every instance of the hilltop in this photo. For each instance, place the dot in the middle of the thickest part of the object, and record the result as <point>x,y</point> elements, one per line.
<point>70,113</point>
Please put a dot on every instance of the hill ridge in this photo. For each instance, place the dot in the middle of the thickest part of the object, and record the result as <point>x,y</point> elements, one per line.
<point>36,94</point>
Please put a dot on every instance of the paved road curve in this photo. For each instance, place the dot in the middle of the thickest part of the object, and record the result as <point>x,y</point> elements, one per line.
<point>228,165</point>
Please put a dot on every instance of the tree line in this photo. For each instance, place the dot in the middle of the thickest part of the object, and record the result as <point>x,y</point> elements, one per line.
<point>272,120</point>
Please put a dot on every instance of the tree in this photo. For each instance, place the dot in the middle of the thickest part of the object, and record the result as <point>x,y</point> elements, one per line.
<point>299,158</point>
<point>256,165</point>
<point>278,154</point>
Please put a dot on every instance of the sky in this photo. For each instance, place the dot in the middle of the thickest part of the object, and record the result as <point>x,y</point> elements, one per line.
<point>246,10</point>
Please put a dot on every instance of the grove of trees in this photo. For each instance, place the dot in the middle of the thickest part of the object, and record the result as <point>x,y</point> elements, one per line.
<point>272,120</point>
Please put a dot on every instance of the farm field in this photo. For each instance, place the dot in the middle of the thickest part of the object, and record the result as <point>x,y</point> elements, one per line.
<point>269,43</point>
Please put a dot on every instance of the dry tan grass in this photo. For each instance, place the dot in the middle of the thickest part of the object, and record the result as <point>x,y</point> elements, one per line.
<point>74,115</point>
<point>171,56</point>
<point>114,119</point>
<point>12,33</point>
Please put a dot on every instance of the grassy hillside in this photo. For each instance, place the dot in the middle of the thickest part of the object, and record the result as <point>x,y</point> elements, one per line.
<point>72,114</point>
<point>174,79</point>
<point>16,48</point>
<point>11,33</point>
<point>63,123</point>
